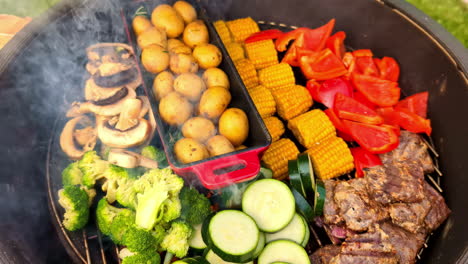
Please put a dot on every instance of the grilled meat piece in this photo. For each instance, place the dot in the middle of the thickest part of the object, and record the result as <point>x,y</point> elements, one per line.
<point>330,208</point>
<point>406,244</point>
<point>410,216</point>
<point>395,182</point>
<point>439,209</point>
<point>410,149</point>
<point>357,209</point>
<point>325,254</point>
<point>353,259</point>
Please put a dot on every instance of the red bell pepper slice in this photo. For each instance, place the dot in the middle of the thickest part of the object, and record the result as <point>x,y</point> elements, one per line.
<point>413,122</point>
<point>329,88</point>
<point>350,109</point>
<point>264,35</point>
<point>395,128</point>
<point>364,159</point>
<point>389,115</point>
<point>358,96</point>
<point>366,66</point>
<point>338,124</point>
<point>373,138</point>
<point>336,43</point>
<point>313,87</point>
<point>322,65</point>
<point>363,53</point>
<point>378,91</point>
<point>416,103</point>
<point>348,59</point>
<point>314,39</point>
<point>389,69</point>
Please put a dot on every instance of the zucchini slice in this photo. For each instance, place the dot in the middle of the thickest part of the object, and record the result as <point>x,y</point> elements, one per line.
<point>295,177</point>
<point>270,203</point>
<point>260,245</point>
<point>194,260</point>
<point>294,231</point>
<point>306,171</point>
<point>196,240</point>
<point>233,235</point>
<point>212,258</point>
<point>283,251</point>
<point>307,235</point>
<point>319,198</point>
<point>303,206</point>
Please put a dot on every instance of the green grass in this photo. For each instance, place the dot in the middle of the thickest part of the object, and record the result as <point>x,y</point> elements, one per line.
<point>23,8</point>
<point>452,14</point>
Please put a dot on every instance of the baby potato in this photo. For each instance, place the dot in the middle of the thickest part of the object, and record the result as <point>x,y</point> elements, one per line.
<point>140,24</point>
<point>177,46</point>
<point>186,11</point>
<point>234,125</point>
<point>215,77</point>
<point>195,33</point>
<point>180,63</point>
<point>174,43</point>
<point>188,150</point>
<point>166,17</point>
<point>150,36</point>
<point>199,128</point>
<point>241,147</point>
<point>214,101</point>
<point>207,55</point>
<point>175,109</point>
<point>219,145</point>
<point>155,58</point>
<point>189,85</point>
<point>163,84</point>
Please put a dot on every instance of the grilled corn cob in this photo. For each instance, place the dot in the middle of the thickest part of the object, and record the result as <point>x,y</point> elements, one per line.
<point>262,53</point>
<point>275,127</point>
<point>277,76</point>
<point>242,28</point>
<point>292,101</point>
<point>247,72</point>
<point>312,128</point>
<point>263,100</point>
<point>276,157</point>
<point>235,50</point>
<point>331,158</point>
<point>223,31</point>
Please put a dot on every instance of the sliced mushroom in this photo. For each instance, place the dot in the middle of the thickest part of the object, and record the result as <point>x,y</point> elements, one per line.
<point>67,140</point>
<point>96,93</point>
<point>131,137</point>
<point>125,76</point>
<point>130,114</point>
<point>128,159</point>
<point>101,53</point>
<point>103,110</point>
<point>85,135</point>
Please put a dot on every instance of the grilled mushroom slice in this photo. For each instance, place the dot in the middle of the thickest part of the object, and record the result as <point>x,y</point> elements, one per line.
<point>120,78</point>
<point>108,52</point>
<point>130,114</point>
<point>67,139</point>
<point>102,110</point>
<point>131,137</point>
<point>128,159</point>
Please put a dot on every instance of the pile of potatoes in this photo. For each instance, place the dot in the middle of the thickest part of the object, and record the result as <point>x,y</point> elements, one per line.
<point>193,93</point>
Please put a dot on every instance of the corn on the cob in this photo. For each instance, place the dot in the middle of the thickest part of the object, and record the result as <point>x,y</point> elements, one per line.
<point>263,100</point>
<point>223,31</point>
<point>235,50</point>
<point>292,101</point>
<point>262,53</point>
<point>312,128</point>
<point>331,158</point>
<point>247,72</point>
<point>275,127</point>
<point>276,157</point>
<point>242,28</point>
<point>277,76</point>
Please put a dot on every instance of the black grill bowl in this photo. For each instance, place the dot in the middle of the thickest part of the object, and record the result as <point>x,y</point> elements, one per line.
<point>41,72</point>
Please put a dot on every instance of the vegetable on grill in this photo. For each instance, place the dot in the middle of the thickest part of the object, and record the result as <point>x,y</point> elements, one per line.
<point>262,53</point>
<point>263,100</point>
<point>223,31</point>
<point>75,201</point>
<point>235,51</point>
<point>331,158</point>
<point>277,76</point>
<point>292,101</point>
<point>275,127</point>
<point>247,72</point>
<point>312,128</point>
<point>277,155</point>
<point>285,251</point>
<point>242,28</point>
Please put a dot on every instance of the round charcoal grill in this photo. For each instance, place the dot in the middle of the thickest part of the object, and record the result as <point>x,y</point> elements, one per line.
<point>41,73</point>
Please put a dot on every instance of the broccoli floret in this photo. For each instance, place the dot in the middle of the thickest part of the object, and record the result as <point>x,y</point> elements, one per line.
<point>153,189</point>
<point>91,194</point>
<point>172,209</point>
<point>115,177</point>
<point>126,194</point>
<point>159,232</point>
<point>106,214</point>
<point>138,240</point>
<point>176,240</point>
<point>121,224</point>
<point>72,175</point>
<point>195,206</point>
<point>75,202</point>
<point>156,154</point>
<point>93,168</point>
<point>147,257</point>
